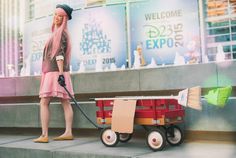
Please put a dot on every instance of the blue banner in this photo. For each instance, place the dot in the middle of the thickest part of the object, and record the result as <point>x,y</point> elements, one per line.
<point>35,36</point>
<point>98,38</point>
<point>165,30</point>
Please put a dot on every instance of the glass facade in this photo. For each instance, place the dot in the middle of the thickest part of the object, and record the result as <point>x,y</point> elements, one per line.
<point>9,38</point>
<point>220,18</point>
<point>219,26</point>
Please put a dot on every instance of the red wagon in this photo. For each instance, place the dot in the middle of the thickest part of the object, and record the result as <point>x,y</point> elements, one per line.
<point>150,111</point>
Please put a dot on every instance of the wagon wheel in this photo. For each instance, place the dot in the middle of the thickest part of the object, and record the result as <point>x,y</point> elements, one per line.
<point>174,135</point>
<point>125,137</point>
<point>156,139</point>
<point>109,138</point>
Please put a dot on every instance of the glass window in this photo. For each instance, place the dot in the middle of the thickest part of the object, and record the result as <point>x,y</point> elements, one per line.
<point>218,23</point>
<point>221,26</point>
<point>218,31</point>
<point>233,28</point>
<point>233,37</point>
<point>222,38</point>
<point>233,21</point>
<point>234,55</point>
<point>234,48</point>
<point>227,48</point>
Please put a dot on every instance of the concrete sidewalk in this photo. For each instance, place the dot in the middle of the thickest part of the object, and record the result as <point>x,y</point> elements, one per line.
<point>22,146</point>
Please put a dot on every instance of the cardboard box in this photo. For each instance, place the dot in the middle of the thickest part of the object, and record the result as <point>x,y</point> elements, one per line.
<point>123,116</point>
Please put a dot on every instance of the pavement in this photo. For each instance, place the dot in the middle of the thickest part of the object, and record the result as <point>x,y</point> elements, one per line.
<point>88,145</point>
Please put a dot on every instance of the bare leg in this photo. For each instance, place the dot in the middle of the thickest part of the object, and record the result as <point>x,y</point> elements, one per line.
<point>44,115</point>
<point>68,112</point>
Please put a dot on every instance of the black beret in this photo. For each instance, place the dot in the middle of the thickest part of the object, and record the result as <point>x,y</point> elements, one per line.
<point>66,8</point>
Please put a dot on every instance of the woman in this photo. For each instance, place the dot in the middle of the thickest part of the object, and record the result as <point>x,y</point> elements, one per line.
<point>55,74</point>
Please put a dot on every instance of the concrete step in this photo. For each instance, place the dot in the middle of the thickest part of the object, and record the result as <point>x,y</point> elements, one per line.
<point>25,115</point>
<point>86,146</point>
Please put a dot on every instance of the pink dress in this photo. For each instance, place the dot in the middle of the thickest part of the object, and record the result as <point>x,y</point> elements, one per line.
<point>49,86</point>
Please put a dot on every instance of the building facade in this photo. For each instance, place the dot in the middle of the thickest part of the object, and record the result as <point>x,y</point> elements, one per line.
<point>10,48</point>
<point>217,26</point>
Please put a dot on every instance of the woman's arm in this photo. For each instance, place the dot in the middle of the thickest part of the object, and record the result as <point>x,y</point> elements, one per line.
<point>60,64</point>
<point>61,55</point>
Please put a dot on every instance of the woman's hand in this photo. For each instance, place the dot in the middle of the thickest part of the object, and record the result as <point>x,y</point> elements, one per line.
<point>61,80</point>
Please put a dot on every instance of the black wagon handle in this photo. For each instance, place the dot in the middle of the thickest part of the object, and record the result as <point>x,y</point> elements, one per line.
<point>81,110</point>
